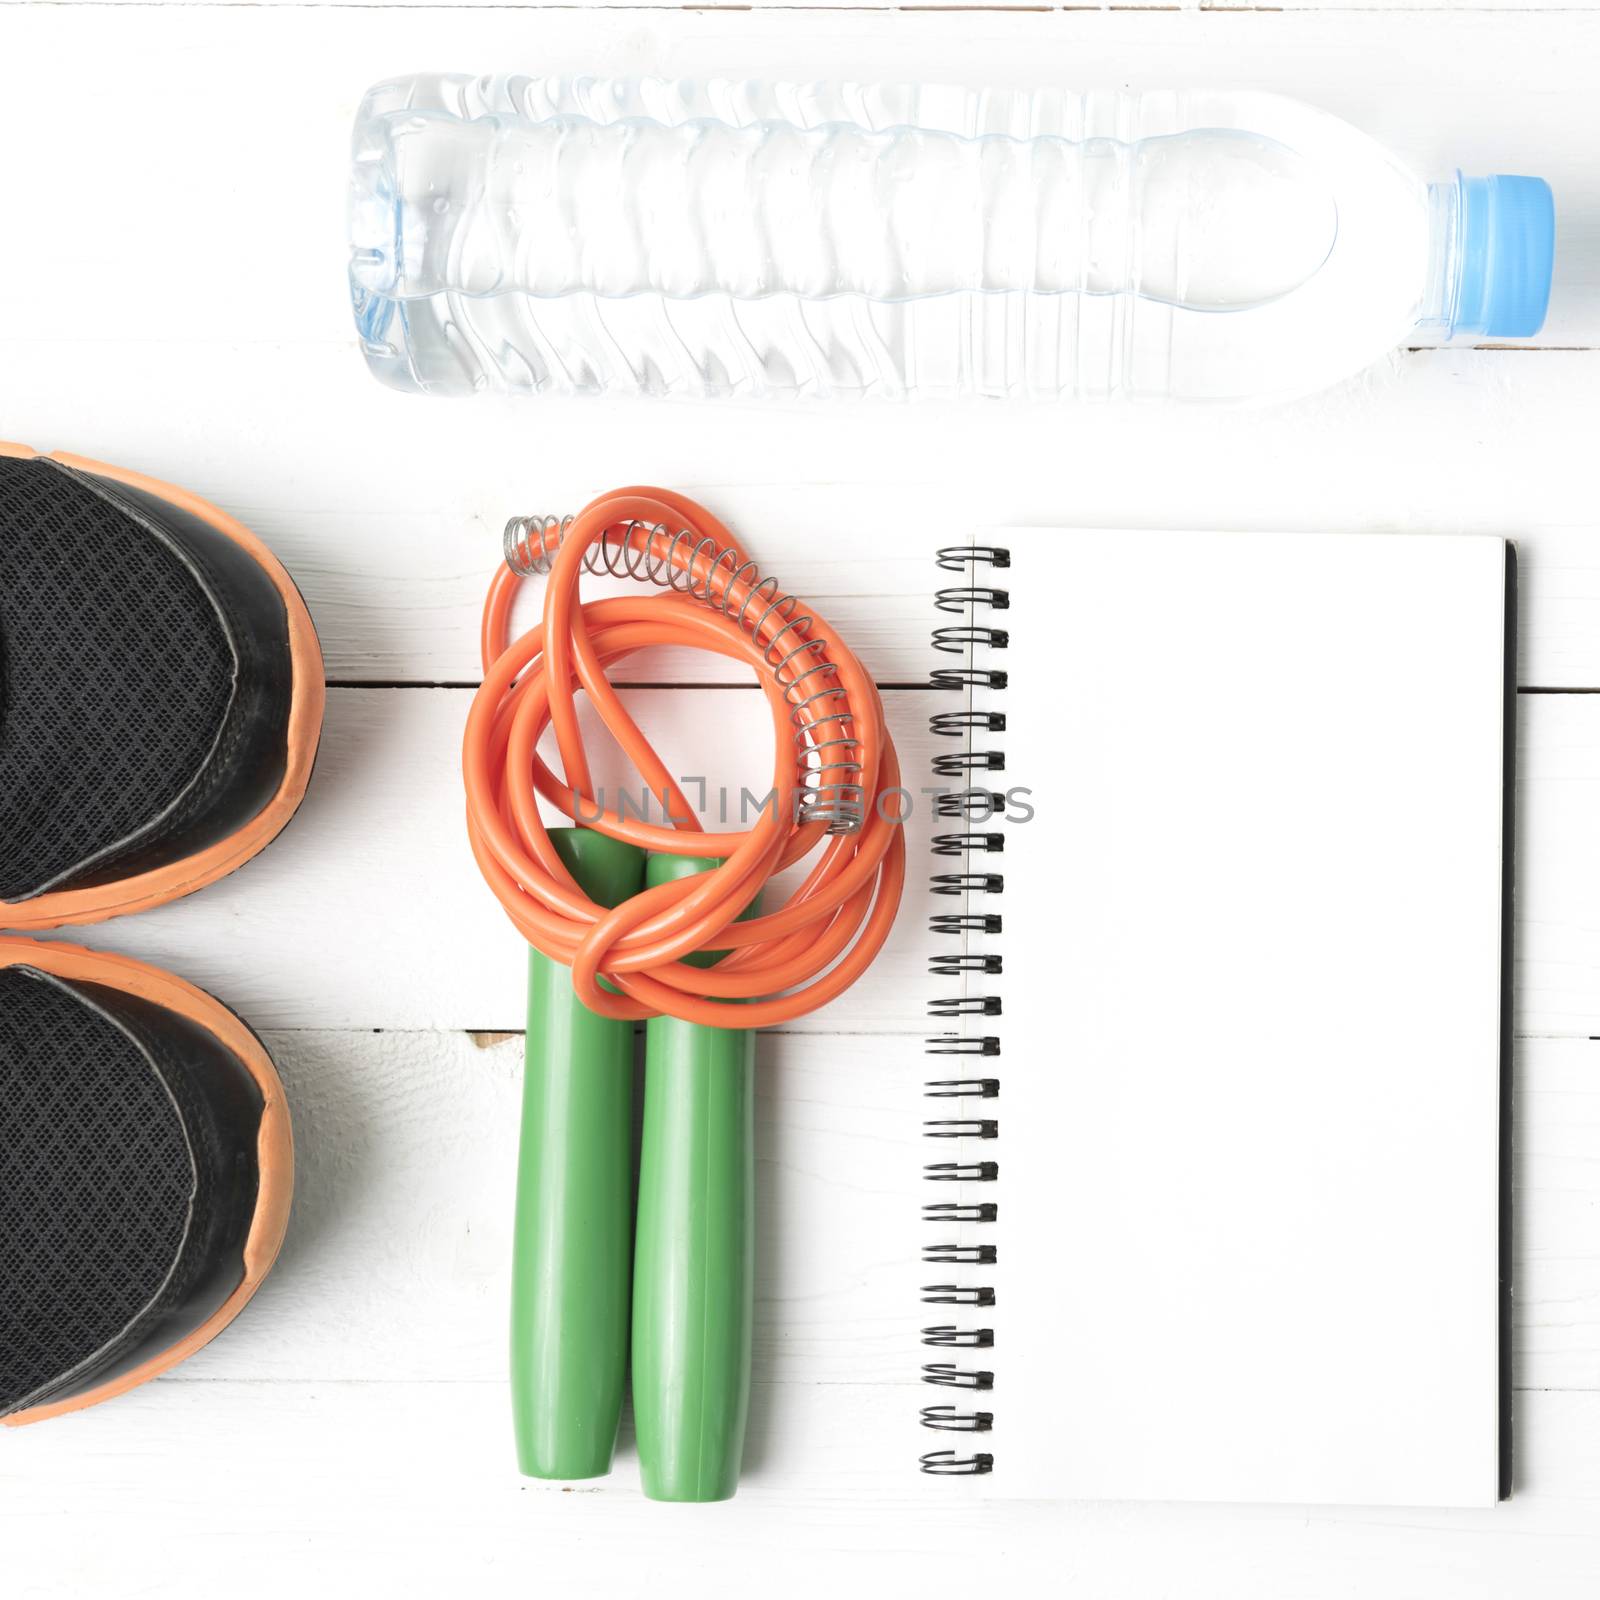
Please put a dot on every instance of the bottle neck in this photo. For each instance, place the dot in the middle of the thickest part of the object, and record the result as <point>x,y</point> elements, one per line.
<point>1441,295</point>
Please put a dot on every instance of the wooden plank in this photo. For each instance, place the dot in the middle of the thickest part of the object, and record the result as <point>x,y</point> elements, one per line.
<point>391,521</point>
<point>406,1151</point>
<point>1558,943</point>
<point>1557,1147</point>
<point>370,912</point>
<point>410,1489</point>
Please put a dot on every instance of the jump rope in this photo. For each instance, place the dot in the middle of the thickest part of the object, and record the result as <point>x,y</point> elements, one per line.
<point>629,921</point>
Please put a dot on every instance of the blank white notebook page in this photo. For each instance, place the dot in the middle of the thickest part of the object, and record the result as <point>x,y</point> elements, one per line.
<point>1248,1190</point>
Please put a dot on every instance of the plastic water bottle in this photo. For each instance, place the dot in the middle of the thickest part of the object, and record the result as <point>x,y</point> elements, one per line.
<point>560,235</point>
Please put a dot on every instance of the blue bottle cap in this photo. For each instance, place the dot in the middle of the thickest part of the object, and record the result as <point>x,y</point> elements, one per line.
<point>1508,248</point>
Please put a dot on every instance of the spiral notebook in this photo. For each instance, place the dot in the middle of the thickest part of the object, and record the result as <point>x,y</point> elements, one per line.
<point>1221,1182</point>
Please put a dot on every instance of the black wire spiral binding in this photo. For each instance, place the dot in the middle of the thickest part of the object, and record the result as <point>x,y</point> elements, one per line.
<point>960,1172</point>
<point>947,1464</point>
<point>961,1128</point>
<point>947,1375</point>
<point>953,1421</point>
<point>965,1088</point>
<point>982,1255</point>
<point>966,844</point>
<point>986,1005</point>
<point>948,1335</point>
<point>953,966</point>
<point>954,724</point>
<point>960,601</point>
<point>962,762</point>
<point>952,1294</point>
<point>973,805</point>
<point>956,641</point>
<point>957,558</point>
<point>969,805</point>
<point>957,883</point>
<point>953,1044</point>
<point>955,1211</point>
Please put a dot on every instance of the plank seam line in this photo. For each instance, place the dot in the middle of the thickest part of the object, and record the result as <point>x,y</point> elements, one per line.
<point>1203,9</point>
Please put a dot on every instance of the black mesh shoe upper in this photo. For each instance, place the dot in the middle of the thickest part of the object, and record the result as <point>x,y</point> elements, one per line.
<point>145,681</point>
<point>128,1181</point>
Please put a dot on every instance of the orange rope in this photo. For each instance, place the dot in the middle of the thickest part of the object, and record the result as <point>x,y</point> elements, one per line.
<point>784,963</point>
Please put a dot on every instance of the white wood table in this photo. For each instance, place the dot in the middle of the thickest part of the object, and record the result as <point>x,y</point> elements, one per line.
<point>172,297</point>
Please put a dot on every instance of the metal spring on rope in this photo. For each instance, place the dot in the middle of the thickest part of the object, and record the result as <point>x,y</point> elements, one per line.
<point>830,789</point>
